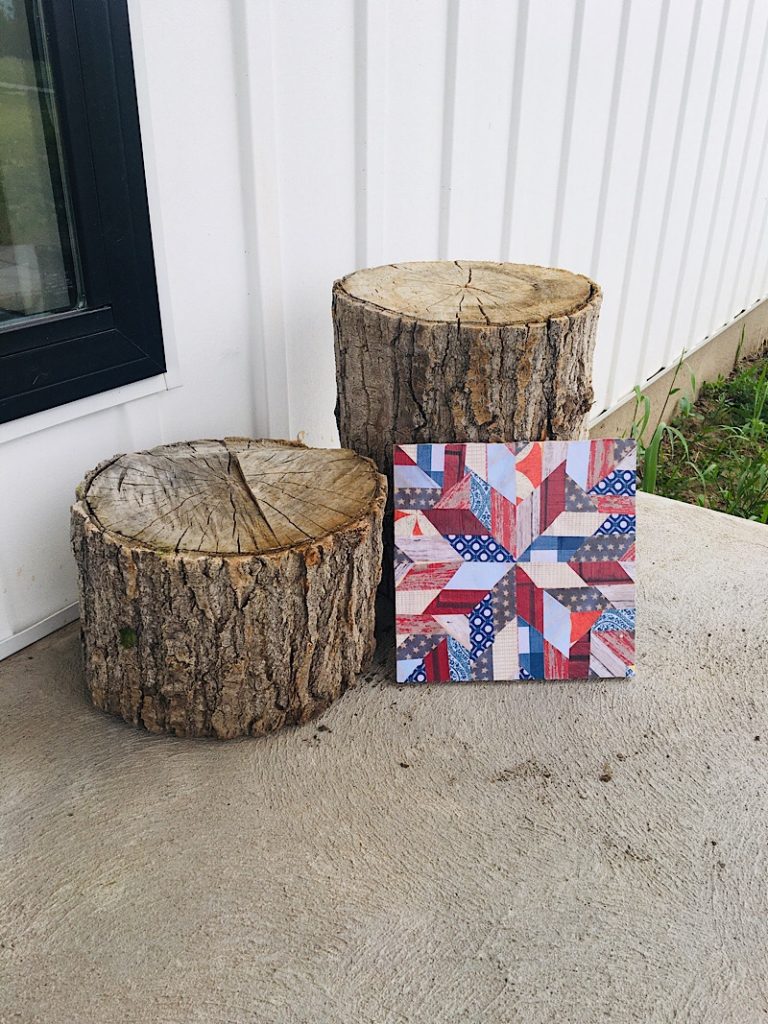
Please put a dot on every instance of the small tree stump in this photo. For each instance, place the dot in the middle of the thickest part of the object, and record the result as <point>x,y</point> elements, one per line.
<point>227,587</point>
<point>461,351</point>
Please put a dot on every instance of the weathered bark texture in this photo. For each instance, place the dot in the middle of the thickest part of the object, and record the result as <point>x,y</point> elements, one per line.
<point>462,351</point>
<point>227,587</point>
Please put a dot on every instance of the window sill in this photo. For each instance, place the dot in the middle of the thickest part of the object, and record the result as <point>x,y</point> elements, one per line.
<point>37,421</point>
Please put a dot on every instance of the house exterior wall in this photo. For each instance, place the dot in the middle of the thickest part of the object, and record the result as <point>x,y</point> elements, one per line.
<point>289,141</point>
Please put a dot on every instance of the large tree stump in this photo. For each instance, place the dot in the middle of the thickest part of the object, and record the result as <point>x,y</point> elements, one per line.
<point>227,587</point>
<point>461,351</point>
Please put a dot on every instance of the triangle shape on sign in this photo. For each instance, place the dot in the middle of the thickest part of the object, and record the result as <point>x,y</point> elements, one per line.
<point>577,499</point>
<point>401,457</point>
<point>582,622</point>
<point>457,496</point>
<point>456,626</point>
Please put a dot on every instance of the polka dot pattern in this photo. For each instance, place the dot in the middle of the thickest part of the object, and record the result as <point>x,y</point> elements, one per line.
<point>619,482</point>
<point>481,631</point>
<point>617,524</point>
<point>478,549</point>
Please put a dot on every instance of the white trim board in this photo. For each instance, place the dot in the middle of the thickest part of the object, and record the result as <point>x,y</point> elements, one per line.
<point>75,410</point>
<point>18,641</point>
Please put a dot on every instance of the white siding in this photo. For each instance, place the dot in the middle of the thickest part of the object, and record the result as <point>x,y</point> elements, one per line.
<point>289,141</point>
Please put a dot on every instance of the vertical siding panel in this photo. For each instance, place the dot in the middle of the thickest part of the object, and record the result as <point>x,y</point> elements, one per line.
<point>449,116</point>
<point>619,57</point>
<point>315,102</point>
<point>253,40</point>
<point>705,316</point>
<point>590,132</point>
<point>630,340</point>
<point>704,54</point>
<point>652,237</point>
<point>651,292</point>
<point>754,285</point>
<point>360,16</point>
<point>759,282</point>
<point>624,186</point>
<point>485,69</point>
<point>605,334</point>
<point>565,143</point>
<point>744,156</point>
<point>416,59</point>
<point>738,253</point>
<point>757,286</point>
<point>544,92</point>
<point>372,23</point>
<point>513,133</point>
<point>711,76</point>
<point>748,288</point>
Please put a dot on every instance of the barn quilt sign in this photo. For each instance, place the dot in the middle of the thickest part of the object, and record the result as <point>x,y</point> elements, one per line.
<point>515,561</point>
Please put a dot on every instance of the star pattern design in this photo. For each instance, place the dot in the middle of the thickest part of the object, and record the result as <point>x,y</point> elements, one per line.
<point>544,584</point>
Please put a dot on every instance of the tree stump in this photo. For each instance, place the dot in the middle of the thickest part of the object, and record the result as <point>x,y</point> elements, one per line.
<point>227,587</point>
<point>461,351</point>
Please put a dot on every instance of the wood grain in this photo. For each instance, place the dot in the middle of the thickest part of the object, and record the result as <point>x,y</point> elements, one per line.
<point>471,291</point>
<point>227,587</point>
<point>236,496</point>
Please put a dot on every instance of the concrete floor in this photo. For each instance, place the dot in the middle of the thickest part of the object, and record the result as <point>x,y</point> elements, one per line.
<point>420,854</point>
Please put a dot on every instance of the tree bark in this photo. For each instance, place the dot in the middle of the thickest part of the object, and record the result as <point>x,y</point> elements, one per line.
<point>227,587</point>
<point>461,351</point>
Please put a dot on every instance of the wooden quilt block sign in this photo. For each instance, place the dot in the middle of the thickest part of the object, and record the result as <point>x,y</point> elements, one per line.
<point>515,561</point>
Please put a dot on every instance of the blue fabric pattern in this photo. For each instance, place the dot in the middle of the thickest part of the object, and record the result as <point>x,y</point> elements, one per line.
<point>458,660</point>
<point>615,618</point>
<point>481,631</point>
<point>617,524</point>
<point>618,483</point>
<point>419,674</point>
<point>478,549</point>
<point>480,500</point>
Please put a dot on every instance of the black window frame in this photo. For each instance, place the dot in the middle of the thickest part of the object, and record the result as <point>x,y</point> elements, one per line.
<point>116,338</point>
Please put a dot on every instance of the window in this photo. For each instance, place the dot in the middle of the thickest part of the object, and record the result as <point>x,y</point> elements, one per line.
<point>78,299</point>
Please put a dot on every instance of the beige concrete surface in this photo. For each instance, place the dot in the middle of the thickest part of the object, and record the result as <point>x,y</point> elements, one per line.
<point>420,854</point>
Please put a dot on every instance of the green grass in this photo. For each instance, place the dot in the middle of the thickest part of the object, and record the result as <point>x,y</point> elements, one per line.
<point>715,452</point>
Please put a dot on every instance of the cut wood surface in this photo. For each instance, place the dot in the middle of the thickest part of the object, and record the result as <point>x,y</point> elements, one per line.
<point>227,586</point>
<point>237,496</point>
<point>462,351</point>
<point>483,293</point>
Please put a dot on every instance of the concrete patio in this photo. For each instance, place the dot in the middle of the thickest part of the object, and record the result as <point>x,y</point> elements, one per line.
<point>538,852</point>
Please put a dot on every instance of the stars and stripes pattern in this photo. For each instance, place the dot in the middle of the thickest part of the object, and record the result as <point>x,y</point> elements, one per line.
<point>515,561</point>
